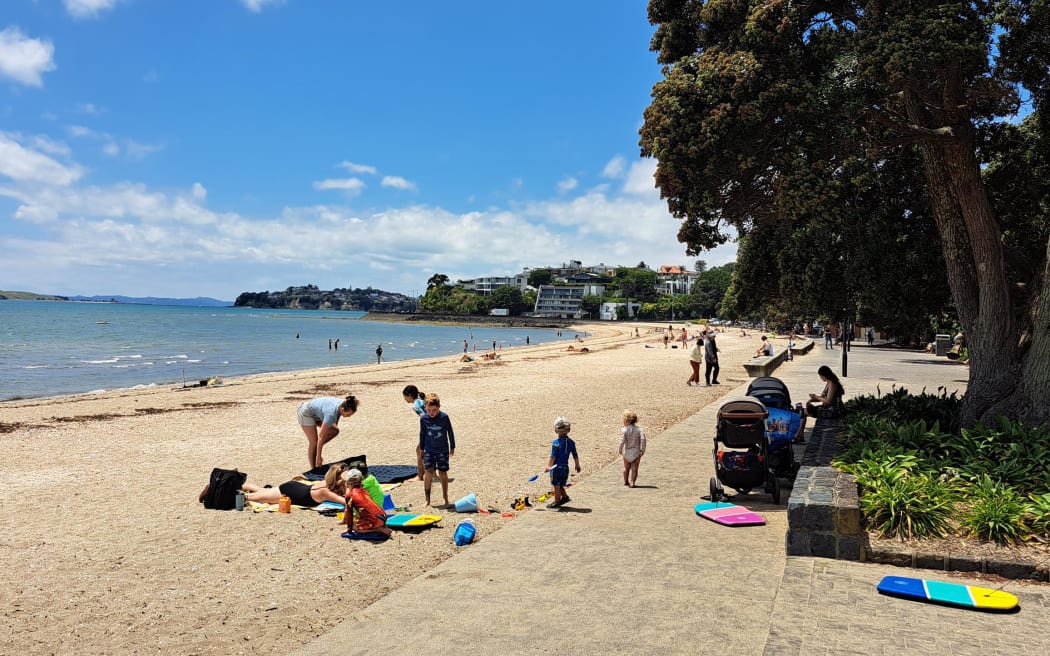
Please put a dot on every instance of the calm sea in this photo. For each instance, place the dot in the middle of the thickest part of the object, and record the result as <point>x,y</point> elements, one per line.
<point>56,348</point>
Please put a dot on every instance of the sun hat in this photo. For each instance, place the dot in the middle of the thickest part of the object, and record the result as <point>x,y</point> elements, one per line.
<point>352,474</point>
<point>562,422</point>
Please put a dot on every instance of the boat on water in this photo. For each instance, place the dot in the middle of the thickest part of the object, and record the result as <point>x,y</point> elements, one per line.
<point>101,323</point>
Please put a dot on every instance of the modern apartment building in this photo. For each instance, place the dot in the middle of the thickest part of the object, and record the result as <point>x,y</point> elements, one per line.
<point>560,301</point>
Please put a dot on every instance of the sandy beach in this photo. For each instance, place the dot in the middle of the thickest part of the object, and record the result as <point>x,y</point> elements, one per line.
<point>106,550</point>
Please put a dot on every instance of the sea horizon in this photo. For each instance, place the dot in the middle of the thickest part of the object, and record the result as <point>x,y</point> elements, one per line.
<point>60,348</point>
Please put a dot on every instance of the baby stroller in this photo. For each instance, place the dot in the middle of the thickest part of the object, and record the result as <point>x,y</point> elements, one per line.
<point>742,425</point>
<point>771,392</point>
<point>781,425</point>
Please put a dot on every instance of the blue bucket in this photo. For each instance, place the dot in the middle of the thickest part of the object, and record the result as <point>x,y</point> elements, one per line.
<point>465,532</point>
<point>467,504</point>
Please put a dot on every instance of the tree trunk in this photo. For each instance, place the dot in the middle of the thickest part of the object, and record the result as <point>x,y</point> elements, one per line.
<point>973,253</point>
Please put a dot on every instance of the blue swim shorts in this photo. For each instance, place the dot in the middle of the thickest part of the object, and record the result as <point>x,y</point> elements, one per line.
<point>560,475</point>
<point>438,461</point>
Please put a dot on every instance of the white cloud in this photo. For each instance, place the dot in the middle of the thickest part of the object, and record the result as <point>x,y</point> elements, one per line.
<point>350,185</point>
<point>23,59</point>
<point>136,150</point>
<point>169,243</point>
<point>27,165</point>
<point>111,149</point>
<point>258,5</point>
<point>50,146</point>
<point>89,108</point>
<point>88,8</point>
<point>397,182</point>
<point>81,132</point>
<point>567,185</point>
<point>357,168</point>
<point>614,168</point>
<point>641,178</point>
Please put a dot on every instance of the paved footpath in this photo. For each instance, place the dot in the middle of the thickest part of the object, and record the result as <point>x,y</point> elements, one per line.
<point>635,571</point>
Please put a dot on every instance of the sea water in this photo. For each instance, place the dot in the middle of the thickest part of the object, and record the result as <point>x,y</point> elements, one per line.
<point>54,348</point>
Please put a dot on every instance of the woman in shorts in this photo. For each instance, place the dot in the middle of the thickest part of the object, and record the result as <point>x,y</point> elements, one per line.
<point>319,419</point>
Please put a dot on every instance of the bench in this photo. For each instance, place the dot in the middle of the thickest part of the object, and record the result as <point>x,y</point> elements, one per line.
<point>764,365</point>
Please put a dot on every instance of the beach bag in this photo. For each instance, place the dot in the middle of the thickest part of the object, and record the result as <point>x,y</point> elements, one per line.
<point>222,489</point>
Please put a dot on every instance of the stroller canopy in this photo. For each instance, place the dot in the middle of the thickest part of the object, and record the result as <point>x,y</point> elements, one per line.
<point>742,405</point>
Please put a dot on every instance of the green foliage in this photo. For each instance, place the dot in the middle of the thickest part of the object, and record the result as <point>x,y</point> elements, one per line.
<point>509,297</point>
<point>909,506</point>
<point>899,406</point>
<point>1007,453</point>
<point>1037,515</point>
<point>997,512</point>
<point>637,284</point>
<point>539,277</point>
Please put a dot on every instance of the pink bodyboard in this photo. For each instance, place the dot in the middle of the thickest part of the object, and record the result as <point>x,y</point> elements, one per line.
<point>732,516</point>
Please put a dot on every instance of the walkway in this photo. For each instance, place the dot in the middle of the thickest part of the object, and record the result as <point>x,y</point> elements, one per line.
<point>637,572</point>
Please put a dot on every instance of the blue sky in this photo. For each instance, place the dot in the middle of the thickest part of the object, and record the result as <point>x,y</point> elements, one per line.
<point>209,147</point>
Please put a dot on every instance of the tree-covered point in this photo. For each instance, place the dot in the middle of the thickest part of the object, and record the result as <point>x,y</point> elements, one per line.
<point>832,136</point>
<point>311,297</point>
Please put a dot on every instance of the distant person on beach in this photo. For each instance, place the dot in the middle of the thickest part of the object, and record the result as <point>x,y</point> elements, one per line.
<point>329,343</point>
<point>711,360</point>
<point>319,419</point>
<point>362,514</point>
<point>696,356</point>
<point>302,493</point>
<point>379,354</point>
<point>337,344</point>
<point>412,395</point>
<point>632,447</point>
<point>558,464</point>
<point>464,346</point>
<point>438,443</point>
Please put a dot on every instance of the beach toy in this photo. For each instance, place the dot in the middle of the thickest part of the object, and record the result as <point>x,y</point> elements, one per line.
<point>467,504</point>
<point>465,532</point>
<point>533,478</point>
<point>388,504</point>
<point>284,504</point>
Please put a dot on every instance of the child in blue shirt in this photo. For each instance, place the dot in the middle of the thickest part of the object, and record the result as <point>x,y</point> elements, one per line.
<point>558,465</point>
<point>413,396</point>
<point>438,443</point>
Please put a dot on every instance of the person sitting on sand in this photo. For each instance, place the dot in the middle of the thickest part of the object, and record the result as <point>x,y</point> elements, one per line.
<point>302,493</point>
<point>362,515</point>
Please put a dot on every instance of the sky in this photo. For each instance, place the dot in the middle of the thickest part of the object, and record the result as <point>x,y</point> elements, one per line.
<point>187,148</point>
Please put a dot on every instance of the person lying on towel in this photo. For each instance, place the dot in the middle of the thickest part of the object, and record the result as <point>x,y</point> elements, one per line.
<point>362,514</point>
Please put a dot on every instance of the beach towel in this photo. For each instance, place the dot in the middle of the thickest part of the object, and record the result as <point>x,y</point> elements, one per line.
<point>353,462</point>
<point>392,473</point>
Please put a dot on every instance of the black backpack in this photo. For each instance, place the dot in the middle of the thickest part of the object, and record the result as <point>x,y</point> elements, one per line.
<point>222,489</point>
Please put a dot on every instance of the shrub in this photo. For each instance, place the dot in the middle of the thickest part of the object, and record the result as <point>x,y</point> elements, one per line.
<point>1037,516</point>
<point>909,506</point>
<point>997,513</point>
<point>1008,452</point>
<point>899,406</point>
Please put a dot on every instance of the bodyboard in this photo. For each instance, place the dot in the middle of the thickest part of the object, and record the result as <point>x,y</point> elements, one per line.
<point>729,514</point>
<point>948,594</point>
<point>405,520</point>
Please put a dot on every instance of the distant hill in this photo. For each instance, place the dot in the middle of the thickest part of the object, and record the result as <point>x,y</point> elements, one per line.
<point>29,296</point>
<point>200,301</point>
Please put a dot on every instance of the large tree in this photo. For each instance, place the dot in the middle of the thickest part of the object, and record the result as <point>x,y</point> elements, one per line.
<point>769,109</point>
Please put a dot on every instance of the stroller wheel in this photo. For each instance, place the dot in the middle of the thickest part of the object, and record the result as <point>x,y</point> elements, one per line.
<point>717,492</point>
<point>774,485</point>
<point>744,490</point>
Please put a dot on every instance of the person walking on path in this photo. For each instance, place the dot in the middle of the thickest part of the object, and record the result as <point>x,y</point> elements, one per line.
<point>379,354</point>
<point>711,360</point>
<point>827,338</point>
<point>632,447</point>
<point>558,465</point>
<point>319,419</point>
<point>438,442</point>
<point>696,356</point>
